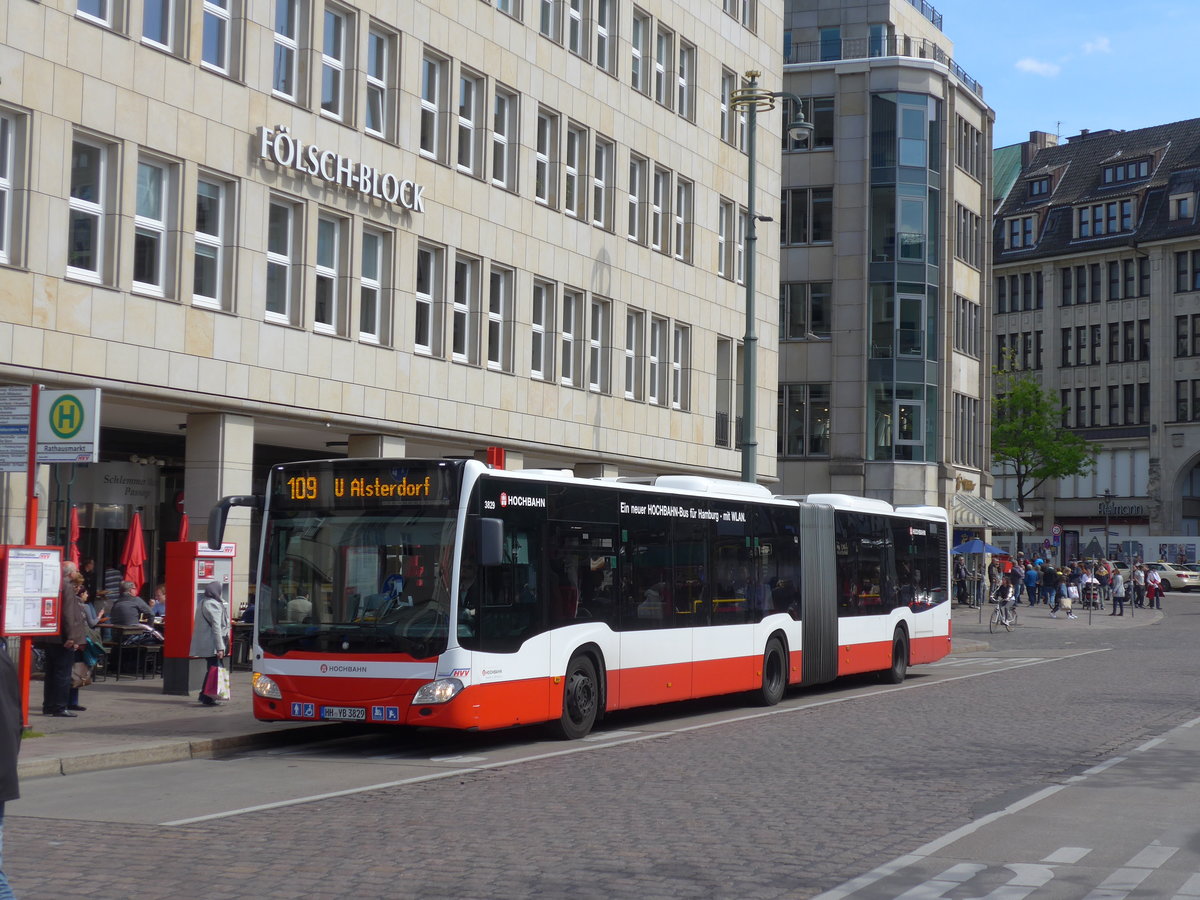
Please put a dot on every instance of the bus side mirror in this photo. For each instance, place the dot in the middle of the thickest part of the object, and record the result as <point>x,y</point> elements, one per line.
<point>491,542</point>
<point>220,512</point>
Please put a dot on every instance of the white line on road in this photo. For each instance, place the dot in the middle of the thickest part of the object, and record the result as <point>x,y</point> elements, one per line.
<point>603,740</point>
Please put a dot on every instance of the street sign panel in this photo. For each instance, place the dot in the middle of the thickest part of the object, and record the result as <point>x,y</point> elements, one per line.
<point>68,426</point>
<point>14,428</point>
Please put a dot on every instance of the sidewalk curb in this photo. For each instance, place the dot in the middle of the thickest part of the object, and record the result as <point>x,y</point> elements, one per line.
<point>170,751</point>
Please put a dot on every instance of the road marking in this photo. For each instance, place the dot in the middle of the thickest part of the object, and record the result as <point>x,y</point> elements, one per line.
<point>604,740</point>
<point>962,661</point>
<point>457,759</point>
<point>1190,889</point>
<point>948,880</point>
<point>1068,855</point>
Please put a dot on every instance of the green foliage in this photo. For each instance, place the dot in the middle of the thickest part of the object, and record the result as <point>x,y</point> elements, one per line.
<point>1028,440</point>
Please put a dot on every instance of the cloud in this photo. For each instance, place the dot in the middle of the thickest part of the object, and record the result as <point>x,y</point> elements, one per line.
<point>1038,67</point>
<point>1099,45</point>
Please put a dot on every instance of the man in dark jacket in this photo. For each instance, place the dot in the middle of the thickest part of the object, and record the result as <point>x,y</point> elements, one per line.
<point>10,743</point>
<point>129,608</point>
<point>60,648</point>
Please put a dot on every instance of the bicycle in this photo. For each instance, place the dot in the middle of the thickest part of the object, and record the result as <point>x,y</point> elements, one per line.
<point>1003,616</point>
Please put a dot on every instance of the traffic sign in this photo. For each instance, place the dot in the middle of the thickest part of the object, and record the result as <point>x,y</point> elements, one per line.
<point>15,405</point>
<point>1056,529</point>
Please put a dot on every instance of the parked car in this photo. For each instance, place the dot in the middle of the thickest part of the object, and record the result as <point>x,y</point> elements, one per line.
<point>1175,578</point>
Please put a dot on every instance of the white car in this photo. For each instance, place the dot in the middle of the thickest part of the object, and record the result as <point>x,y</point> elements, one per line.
<point>1175,578</point>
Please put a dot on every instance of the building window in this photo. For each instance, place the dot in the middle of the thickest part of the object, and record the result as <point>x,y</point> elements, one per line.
<point>548,23</point>
<point>427,312</point>
<point>545,188</point>
<point>433,106</point>
<point>806,216</point>
<point>803,420</point>
<point>158,24</point>
<point>381,50</point>
<point>683,220</point>
<point>685,101</point>
<point>8,179</point>
<point>1128,171</point>
<point>1021,232</point>
<point>282,238</point>
<point>570,339</point>
<point>1100,219</point>
<point>99,11</point>
<point>968,245</point>
<point>574,155</point>
<point>1187,271</point>
<point>660,210</point>
<point>606,11</point>
<point>805,309</point>
<point>338,26</point>
<point>286,77</point>
<point>577,21</point>
<point>969,152</point>
<point>464,311</point>
<point>1039,187</point>
<point>638,168</point>
<point>739,247</point>
<point>509,8</point>
<point>831,44</point>
<point>213,238</point>
<point>635,354</point>
<point>504,139</point>
<point>470,121</point>
<point>681,352</point>
<point>657,361</point>
<point>639,49</point>
<point>725,215</point>
<point>729,83</point>
<point>87,231</point>
<point>724,403</point>
<point>818,112</point>
<point>215,43</point>
<point>1181,206</point>
<point>599,340</point>
<point>541,336</point>
<point>967,326</point>
<point>499,319</point>
<point>373,281</point>
<point>151,228</point>
<point>602,171</point>
<point>329,301</point>
<point>664,66</point>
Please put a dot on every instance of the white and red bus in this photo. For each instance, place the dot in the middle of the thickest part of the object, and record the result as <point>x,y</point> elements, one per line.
<point>448,594</point>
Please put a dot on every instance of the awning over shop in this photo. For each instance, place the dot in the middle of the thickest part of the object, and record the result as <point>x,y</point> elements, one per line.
<point>982,512</point>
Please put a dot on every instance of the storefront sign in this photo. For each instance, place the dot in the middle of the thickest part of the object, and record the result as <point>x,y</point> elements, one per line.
<point>278,146</point>
<point>116,484</point>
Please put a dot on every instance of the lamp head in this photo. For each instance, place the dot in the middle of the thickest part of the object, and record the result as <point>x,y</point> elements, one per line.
<point>800,130</point>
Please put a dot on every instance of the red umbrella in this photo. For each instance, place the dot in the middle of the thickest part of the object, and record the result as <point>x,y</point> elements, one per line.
<point>134,554</point>
<point>73,537</point>
<point>183,527</point>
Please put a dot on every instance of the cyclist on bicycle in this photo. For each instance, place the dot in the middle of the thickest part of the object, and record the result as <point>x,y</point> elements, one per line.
<point>1005,595</point>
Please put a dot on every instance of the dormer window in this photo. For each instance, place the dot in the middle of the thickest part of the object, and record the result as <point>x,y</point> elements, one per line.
<point>1100,219</point>
<point>1182,206</point>
<point>1127,171</point>
<point>1039,187</point>
<point>1020,232</point>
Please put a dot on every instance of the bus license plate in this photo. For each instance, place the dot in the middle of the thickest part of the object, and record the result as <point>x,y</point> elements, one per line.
<point>344,713</point>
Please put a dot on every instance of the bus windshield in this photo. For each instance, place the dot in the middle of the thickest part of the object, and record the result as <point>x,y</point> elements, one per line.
<point>357,581</point>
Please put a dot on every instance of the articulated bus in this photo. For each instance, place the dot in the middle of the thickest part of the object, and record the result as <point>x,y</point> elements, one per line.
<point>448,594</point>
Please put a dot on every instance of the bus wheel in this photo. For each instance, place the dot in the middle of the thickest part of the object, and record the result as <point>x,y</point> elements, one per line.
<point>581,699</point>
<point>895,675</point>
<point>774,673</point>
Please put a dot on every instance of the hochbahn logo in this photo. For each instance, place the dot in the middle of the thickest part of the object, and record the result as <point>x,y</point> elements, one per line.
<point>507,499</point>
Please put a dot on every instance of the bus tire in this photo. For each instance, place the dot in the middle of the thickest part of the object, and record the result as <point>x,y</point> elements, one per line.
<point>774,673</point>
<point>899,667</point>
<point>581,699</point>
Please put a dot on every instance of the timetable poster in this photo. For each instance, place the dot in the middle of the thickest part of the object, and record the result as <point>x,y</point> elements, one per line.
<point>32,580</point>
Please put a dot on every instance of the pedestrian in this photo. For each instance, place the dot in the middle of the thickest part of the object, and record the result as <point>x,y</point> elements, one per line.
<point>158,608</point>
<point>1033,578</point>
<point>1104,576</point>
<point>59,649</point>
<point>210,635</point>
<point>960,581</point>
<point>10,744</point>
<point>1137,576</point>
<point>1154,590</point>
<point>1046,595</point>
<point>1118,593</point>
<point>129,608</point>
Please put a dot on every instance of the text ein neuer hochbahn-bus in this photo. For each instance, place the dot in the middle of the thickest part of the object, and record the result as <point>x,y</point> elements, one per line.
<point>448,594</point>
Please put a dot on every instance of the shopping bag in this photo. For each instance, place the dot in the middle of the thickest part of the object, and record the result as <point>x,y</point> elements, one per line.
<point>222,683</point>
<point>210,682</point>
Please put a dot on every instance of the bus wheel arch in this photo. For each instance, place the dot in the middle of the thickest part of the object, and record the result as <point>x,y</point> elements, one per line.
<point>901,647</point>
<point>775,670</point>
<point>583,695</point>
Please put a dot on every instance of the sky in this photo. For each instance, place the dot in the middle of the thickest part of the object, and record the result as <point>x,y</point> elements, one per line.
<point>1064,65</point>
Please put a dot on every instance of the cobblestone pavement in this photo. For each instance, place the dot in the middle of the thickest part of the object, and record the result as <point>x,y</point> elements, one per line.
<point>782,806</point>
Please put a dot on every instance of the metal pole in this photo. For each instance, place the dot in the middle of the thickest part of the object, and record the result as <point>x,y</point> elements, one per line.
<point>750,340</point>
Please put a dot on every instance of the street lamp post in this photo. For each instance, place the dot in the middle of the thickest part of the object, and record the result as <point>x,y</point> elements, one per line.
<point>752,98</point>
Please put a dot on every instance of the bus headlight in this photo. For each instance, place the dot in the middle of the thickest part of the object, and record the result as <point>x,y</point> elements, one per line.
<point>441,691</point>
<point>265,687</point>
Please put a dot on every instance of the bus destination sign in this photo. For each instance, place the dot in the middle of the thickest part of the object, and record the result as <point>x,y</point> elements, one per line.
<point>360,484</point>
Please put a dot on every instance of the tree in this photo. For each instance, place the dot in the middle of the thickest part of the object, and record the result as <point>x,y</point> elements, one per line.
<point>1028,440</point>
